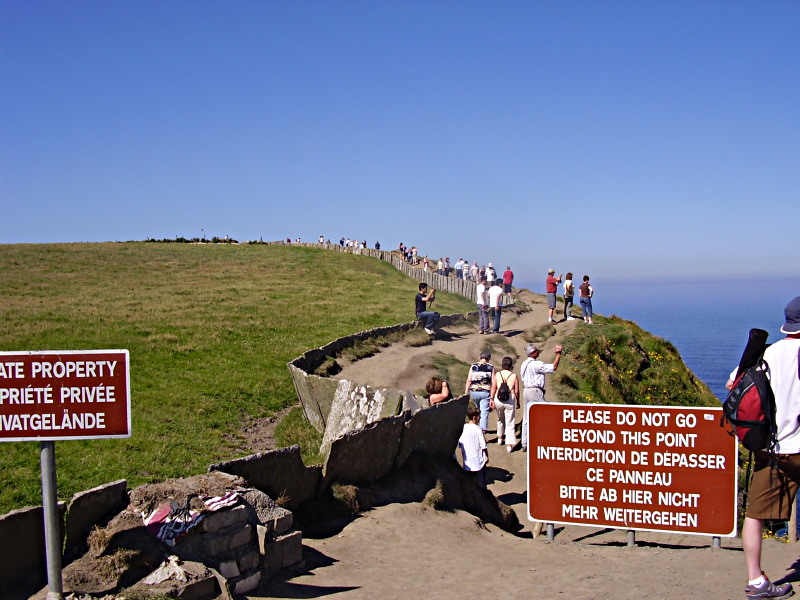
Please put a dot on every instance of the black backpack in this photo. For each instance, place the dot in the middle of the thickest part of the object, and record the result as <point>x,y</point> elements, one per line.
<point>503,392</point>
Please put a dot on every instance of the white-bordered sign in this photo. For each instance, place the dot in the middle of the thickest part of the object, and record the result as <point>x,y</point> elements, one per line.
<point>60,395</point>
<point>653,468</point>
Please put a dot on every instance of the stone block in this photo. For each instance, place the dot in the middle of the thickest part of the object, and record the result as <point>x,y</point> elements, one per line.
<point>282,524</point>
<point>292,548</point>
<point>241,537</point>
<point>263,536</point>
<point>247,584</point>
<point>272,557</point>
<point>229,569</point>
<point>202,589</point>
<point>249,561</point>
<point>89,508</point>
<point>218,520</point>
<point>216,546</point>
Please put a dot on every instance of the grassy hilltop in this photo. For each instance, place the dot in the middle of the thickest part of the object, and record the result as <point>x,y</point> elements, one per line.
<point>209,327</point>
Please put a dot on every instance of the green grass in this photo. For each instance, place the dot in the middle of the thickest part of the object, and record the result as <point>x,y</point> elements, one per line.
<point>209,328</point>
<point>617,362</point>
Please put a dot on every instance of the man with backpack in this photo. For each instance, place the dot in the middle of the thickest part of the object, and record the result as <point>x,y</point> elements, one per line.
<point>775,482</point>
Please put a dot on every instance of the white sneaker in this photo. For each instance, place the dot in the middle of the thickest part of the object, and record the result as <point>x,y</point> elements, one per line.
<point>570,318</point>
<point>429,331</point>
<point>499,441</point>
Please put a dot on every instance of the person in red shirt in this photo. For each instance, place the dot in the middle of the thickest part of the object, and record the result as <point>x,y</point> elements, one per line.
<point>551,286</point>
<point>508,278</point>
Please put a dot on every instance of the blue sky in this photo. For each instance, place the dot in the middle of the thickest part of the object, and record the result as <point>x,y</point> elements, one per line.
<point>620,139</point>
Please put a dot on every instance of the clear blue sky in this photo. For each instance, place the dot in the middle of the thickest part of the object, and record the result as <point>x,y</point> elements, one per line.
<point>621,139</point>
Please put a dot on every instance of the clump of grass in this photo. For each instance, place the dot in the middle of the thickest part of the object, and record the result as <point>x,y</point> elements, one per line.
<point>346,495</point>
<point>620,363</point>
<point>540,334</point>
<point>417,337</point>
<point>328,368</point>
<point>499,346</point>
<point>295,429</point>
<point>449,368</point>
<point>435,496</point>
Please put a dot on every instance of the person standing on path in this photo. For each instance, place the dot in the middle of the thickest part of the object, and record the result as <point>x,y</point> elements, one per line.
<point>474,452</point>
<point>496,304</point>
<point>420,306</point>
<point>483,306</point>
<point>508,279</point>
<point>775,482</point>
<point>505,400</point>
<point>532,373</point>
<point>569,295</point>
<point>586,291</point>
<point>479,383</point>
<point>551,287</point>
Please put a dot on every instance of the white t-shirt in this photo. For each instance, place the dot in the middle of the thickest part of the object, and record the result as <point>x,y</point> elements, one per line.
<point>494,296</point>
<point>480,293</point>
<point>785,382</point>
<point>473,446</point>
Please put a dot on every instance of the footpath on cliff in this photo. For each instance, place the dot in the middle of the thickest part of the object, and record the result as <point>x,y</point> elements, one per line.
<point>411,550</point>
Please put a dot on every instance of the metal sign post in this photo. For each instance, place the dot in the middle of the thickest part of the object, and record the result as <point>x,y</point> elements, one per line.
<point>52,536</point>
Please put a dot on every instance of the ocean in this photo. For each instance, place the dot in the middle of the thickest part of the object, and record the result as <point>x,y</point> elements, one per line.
<point>707,321</point>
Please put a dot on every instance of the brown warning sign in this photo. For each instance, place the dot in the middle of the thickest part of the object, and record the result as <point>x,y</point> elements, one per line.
<point>655,468</point>
<point>56,395</point>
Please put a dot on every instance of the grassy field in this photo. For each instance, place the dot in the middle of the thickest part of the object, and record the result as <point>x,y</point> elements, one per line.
<point>209,328</point>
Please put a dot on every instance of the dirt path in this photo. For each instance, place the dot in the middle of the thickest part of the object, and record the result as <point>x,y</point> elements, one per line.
<point>412,551</point>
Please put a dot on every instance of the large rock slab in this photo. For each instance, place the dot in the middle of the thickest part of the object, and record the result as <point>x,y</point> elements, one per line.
<point>364,455</point>
<point>278,473</point>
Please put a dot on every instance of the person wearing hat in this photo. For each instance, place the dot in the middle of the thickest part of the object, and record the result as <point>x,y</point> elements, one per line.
<point>775,482</point>
<point>532,372</point>
<point>551,286</point>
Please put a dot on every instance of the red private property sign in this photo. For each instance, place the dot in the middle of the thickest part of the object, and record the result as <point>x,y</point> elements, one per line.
<point>653,468</point>
<point>61,395</point>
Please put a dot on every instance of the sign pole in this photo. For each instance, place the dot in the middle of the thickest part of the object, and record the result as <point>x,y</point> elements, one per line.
<point>52,535</point>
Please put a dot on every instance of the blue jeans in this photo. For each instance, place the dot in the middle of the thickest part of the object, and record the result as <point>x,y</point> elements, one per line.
<point>481,400</point>
<point>496,315</point>
<point>483,318</point>
<point>431,318</point>
<point>586,305</point>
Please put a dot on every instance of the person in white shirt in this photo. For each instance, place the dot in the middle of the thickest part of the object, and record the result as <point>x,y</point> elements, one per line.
<point>474,452</point>
<point>483,306</point>
<point>532,372</point>
<point>775,482</point>
<point>496,303</point>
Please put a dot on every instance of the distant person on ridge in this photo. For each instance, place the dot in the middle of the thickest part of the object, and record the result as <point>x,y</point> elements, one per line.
<point>420,306</point>
<point>474,271</point>
<point>551,287</point>
<point>569,296</point>
<point>508,279</point>
<point>773,488</point>
<point>490,273</point>
<point>496,304</point>
<point>587,291</point>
